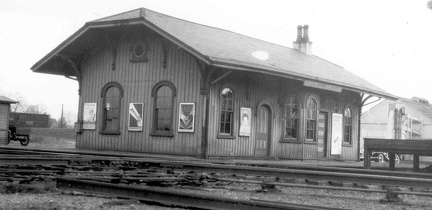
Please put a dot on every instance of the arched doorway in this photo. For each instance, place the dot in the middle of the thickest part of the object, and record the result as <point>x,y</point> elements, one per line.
<point>263,131</point>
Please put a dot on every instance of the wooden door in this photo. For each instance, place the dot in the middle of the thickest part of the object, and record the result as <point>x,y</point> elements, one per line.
<point>263,132</point>
<point>322,134</point>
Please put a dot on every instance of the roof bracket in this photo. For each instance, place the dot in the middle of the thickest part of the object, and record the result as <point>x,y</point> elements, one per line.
<point>221,77</point>
<point>75,68</point>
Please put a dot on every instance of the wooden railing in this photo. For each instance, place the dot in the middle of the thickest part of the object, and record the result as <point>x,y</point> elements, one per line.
<point>416,147</point>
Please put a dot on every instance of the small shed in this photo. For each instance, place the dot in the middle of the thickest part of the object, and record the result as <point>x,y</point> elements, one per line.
<point>4,118</point>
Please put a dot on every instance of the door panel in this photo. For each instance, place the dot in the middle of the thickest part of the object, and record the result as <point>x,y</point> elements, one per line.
<point>322,134</point>
<point>263,132</point>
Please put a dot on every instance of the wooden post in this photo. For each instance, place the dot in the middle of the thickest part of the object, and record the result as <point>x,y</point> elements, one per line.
<point>416,163</point>
<point>367,158</point>
<point>392,161</point>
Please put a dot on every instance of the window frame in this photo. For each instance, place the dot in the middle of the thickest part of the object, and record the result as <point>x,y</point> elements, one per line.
<point>307,119</point>
<point>349,142</point>
<point>232,115</point>
<point>156,87</point>
<point>103,129</point>
<point>285,118</point>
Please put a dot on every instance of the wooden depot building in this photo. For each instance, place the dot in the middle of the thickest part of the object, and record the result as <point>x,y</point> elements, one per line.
<point>153,83</point>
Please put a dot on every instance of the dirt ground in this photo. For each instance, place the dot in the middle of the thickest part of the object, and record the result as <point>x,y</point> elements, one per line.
<point>49,138</point>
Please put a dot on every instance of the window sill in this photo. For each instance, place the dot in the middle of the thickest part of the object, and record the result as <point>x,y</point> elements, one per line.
<point>110,132</point>
<point>290,140</point>
<point>347,145</point>
<point>162,134</point>
<point>225,136</point>
<point>310,142</point>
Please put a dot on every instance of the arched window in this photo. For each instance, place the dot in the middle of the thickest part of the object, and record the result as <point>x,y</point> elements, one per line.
<point>226,112</point>
<point>112,94</point>
<point>291,118</point>
<point>347,126</point>
<point>311,117</point>
<point>163,108</point>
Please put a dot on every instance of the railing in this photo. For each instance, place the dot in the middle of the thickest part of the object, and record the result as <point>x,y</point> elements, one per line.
<point>416,147</point>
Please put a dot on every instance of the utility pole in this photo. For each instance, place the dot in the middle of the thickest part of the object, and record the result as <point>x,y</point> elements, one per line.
<point>61,118</point>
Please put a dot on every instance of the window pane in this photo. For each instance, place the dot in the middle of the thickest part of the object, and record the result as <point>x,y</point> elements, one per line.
<point>228,116</point>
<point>222,127</point>
<point>230,105</point>
<point>226,111</point>
<point>111,110</point>
<point>163,109</point>
<point>291,117</point>
<point>228,128</point>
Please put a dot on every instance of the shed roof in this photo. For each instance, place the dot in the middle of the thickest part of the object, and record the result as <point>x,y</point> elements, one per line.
<point>222,48</point>
<point>7,100</point>
<point>425,109</point>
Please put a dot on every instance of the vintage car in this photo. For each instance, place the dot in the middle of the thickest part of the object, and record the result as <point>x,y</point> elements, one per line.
<point>18,134</point>
<point>380,157</point>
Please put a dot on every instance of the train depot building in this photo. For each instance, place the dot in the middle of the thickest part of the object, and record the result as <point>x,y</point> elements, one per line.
<point>152,83</point>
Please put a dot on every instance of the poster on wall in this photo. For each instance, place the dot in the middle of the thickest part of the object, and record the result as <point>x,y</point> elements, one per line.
<point>89,116</point>
<point>186,117</point>
<point>245,118</point>
<point>336,140</point>
<point>135,117</point>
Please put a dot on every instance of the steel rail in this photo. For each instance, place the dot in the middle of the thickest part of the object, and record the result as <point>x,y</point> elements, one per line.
<point>287,173</point>
<point>395,191</point>
<point>349,170</point>
<point>176,197</point>
<point>313,174</point>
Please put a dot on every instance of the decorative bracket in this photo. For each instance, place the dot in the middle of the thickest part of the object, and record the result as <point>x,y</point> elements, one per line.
<point>75,68</point>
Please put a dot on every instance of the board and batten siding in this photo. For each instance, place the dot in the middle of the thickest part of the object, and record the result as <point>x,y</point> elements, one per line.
<point>4,122</point>
<point>334,103</point>
<point>137,80</point>
<point>256,88</point>
<point>248,93</point>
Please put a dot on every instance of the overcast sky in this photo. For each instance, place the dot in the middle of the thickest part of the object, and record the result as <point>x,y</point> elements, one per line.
<point>387,42</point>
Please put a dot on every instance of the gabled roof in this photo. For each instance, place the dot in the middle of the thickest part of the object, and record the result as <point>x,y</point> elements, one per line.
<point>7,100</point>
<point>222,48</point>
<point>425,109</point>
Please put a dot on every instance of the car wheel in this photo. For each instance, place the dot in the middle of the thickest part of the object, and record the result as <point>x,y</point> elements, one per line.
<point>397,159</point>
<point>381,158</point>
<point>26,141</point>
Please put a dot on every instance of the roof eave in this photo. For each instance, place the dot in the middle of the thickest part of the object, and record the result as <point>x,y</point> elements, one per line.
<point>107,24</point>
<point>278,72</point>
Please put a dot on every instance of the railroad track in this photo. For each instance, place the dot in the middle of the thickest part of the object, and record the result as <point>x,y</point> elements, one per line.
<point>75,171</point>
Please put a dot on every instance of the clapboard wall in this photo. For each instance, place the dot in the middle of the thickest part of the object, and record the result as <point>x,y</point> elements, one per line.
<point>255,88</point>
<point>4,122</point>
<point>137,80</point>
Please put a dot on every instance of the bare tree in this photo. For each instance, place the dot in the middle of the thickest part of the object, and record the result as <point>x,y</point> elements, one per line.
<point>35,109</point>
<point>23,106</point>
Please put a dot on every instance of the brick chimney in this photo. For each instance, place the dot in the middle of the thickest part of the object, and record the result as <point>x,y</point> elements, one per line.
<point>302,42</point>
